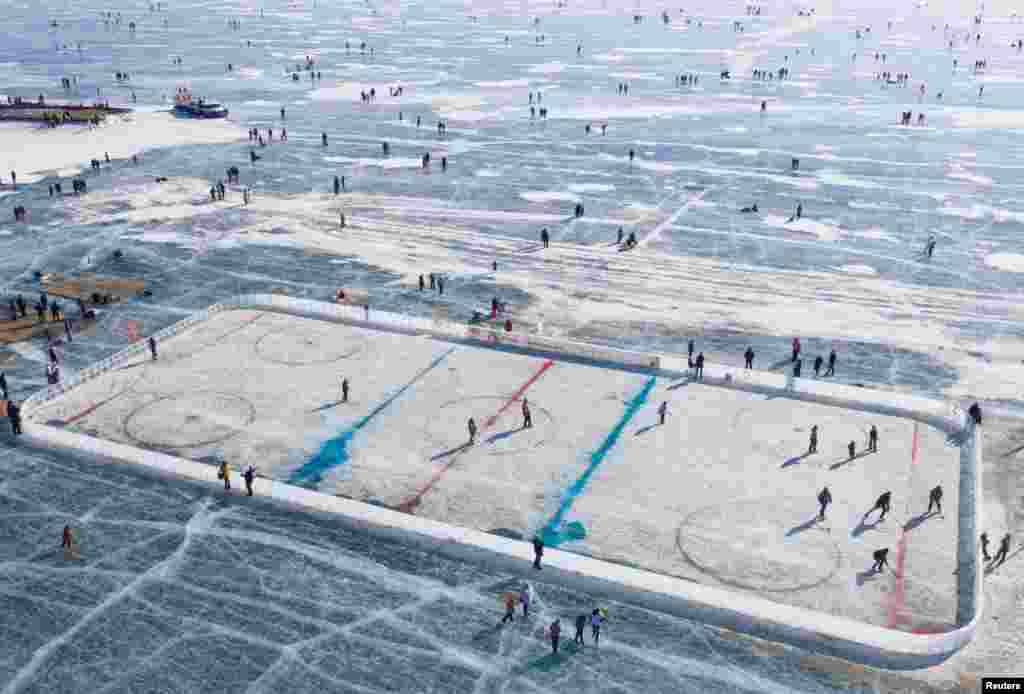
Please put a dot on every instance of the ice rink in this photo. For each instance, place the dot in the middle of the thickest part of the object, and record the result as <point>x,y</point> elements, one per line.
<point>724,492</point>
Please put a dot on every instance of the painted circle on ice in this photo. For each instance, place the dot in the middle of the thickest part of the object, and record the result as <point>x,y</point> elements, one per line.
<point>306,343</point>
<point>497,434</point>
<point>192,419</point>
<point>768,544</point>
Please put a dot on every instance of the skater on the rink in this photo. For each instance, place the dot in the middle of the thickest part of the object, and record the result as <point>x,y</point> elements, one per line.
<point>813,446</point>
<point>440,285</point>
<point>873,439</point>
<point>881,557</point>
<point>249,475</point>
<point>555,631</point>
<point>421,283</point>
<point>544,237</point>
<point>796,348</point>
<point>510,608</point>
<point>524,600</point>
<point>662,411</point>
<point>225,474</point>
<point>581,624</point>
<point>883,503</point>
<point>344,390</point>
<point>471,425</point>
<point>748,358</point>
<point>1004,550</point>
<point>698,365</point>
<point>433,281</point>
<point>527,417</point>
<point>851,448</point>
<point>984,547</point>
<point>935,499</point>
<point>152,346</point>
<point>818,361</point>
<point>538,550</point>
<point>831,370</point>
<point>824,499</point>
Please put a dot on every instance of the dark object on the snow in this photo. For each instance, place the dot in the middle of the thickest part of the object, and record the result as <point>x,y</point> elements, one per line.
<point>152,346</point>
<point>795,164</point>
<point>117,255</point>
<point>975,412</point>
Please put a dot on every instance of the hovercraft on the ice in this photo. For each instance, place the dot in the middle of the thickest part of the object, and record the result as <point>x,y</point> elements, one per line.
<point>186,107</point>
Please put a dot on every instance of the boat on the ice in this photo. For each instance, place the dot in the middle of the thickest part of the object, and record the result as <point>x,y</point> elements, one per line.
<point>187,107</point>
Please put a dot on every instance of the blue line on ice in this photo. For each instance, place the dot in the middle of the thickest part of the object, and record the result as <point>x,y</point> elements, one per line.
<point>552,533</point>
<point>334,451</point>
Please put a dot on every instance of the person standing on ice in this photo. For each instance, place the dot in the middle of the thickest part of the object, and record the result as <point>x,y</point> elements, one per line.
<point>813,446</point>
<point>818,361</point>
<point>544,237</point>
<point>510,608</point>
<point>527,417</point>
<point>929,247</point>
<point>883,503</point>
<point>555,631</point>
<point>14,415</point>
<point>421,283</point>
<point>698,366</point>
<point>881,557</point>
<point>344,390</point>
<point>662,412</point>
<point>935,499</point>
<point>824,499</point>
<point>748,358</point>
<point>851,448</point>
<point>225,474</point>
<point>1004,549</point>
<point>538,550</point>
<point>797,366</point>
<point>67,540</point>
<point>323,139</point>
<point>595,625</point>
<point>984,547</point>
<point>581,624</point>
<point>3,384</point>
<point>471,425</point>
<point>151,342</point>
<point>796,348</point>
<point>831,370</point>
<point>524,600</point>
<point>337,185</point>
<point>249,475</point>
<point>873,439</point>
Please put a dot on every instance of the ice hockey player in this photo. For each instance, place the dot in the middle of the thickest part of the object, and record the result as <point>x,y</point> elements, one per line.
<point>471,425</point>
<point>662,411</point>
<point>883,503</point>
<point>249,475</point>
<point>935,499</point>
<point>881,557</point>
<point>824,499</point>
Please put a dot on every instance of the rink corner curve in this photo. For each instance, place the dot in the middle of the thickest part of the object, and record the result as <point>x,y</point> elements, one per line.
<point>808,629</point>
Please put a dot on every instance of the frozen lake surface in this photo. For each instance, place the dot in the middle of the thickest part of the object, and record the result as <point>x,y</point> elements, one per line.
<point>849,274</point>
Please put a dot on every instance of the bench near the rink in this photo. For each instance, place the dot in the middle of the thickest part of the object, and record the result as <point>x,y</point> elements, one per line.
<point>815,631</point>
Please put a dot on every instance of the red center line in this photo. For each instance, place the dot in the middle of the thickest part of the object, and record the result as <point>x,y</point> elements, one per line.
<point>410,504</point>
<point>897,602</point>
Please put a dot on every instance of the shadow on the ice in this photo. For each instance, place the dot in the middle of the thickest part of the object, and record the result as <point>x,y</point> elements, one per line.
<point>682,383</point>
<point>553,660</point>
<point>863,527</point>
<point>919,519</point>
<point>806,525</point>
<point>451,451</point>
<point>866,576</point>
<point>996,566</point>
<point>647,428</point>
<point>795,461</point>
<point>847,461</point>
<point>504,434</point>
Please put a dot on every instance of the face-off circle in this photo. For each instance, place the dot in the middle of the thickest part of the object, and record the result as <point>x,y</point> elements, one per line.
<point>189,420</point>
